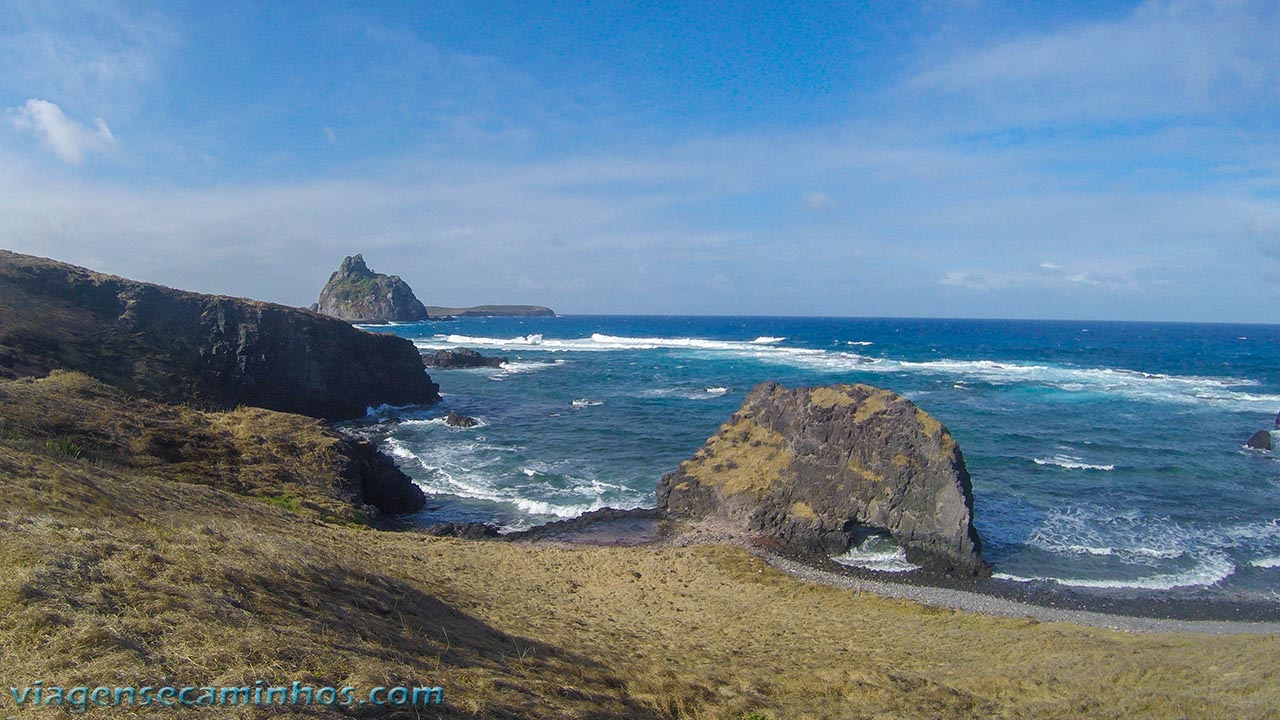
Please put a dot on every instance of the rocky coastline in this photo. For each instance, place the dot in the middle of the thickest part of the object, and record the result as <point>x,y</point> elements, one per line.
<point>182,347</point>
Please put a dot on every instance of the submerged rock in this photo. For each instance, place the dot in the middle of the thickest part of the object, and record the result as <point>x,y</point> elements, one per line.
<point>1261,440</point>
<point>464,530</point>
<point>457,419</point>
<point>461,358</point>
<point>357,294</point>
<point>814,468</point>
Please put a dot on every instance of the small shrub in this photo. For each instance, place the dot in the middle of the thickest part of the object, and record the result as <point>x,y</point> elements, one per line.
<point>63,446</point>
<point>284,501</point>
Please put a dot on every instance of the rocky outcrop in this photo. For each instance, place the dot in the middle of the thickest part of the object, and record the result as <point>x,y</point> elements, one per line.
<point>457,419</point>
<point>1261,440</point>
<point>461,358</point>
<point>815,468</point>
<point>492,311</point>
<point>375,480</point>
<point>464,530</point>
<point>209,351</point>
<point>357,294</point>
<point>294,460</point>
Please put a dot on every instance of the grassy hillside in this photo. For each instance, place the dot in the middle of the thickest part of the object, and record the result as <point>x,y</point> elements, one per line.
<point>155,544</point>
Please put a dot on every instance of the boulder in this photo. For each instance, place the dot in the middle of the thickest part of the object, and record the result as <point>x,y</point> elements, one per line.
<point>1261,440</point>
<point>461,358</point>
<point>813,469</point>
<point>357,294</point>
<point>457,419</point>
<point>207,350</point>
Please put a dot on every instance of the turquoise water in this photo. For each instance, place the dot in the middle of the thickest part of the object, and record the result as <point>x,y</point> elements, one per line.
<point>1103,455</point>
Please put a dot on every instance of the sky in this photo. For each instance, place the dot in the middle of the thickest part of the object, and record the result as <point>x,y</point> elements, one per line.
<point>970,158</point>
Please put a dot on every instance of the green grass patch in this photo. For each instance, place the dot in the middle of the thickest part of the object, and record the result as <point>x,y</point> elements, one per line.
<point>66,448</point>
<point>284,501</point>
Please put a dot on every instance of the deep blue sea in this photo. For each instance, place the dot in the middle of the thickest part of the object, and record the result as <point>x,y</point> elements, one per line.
<point>1103,455</point>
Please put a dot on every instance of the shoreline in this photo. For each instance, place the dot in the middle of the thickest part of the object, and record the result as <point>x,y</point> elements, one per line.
<point>983,603</point>
<point>991,597</point>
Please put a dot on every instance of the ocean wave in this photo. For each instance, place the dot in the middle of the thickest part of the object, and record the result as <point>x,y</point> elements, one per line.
<point>585,402</point>
<point>1225,392</point>
<point>1266,562</point>
<point>876,553</point>
<point>385,412</point>
<point>859,343</point>
<point>469,470</point>
<point>1088,528</point>
<point>1210,571</point>
<point>599,342</point>
<point>1152,550</point>
<point>684,393</point>
<point>516,367</point>
<point>1071,463</point>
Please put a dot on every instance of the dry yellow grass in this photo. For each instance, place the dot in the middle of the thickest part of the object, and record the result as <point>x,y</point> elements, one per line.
<point>120,573</point>
<point>742,457</point>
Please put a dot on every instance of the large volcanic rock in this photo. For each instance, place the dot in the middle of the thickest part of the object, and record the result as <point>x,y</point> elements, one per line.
<point>1260,440</point>
<point>210,351</point>
<point>357,294</point>
<point>814,468</point>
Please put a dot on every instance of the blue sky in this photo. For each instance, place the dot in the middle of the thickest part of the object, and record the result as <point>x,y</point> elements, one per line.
<point>976,159</point>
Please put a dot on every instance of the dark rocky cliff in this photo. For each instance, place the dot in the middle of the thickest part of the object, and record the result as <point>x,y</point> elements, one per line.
<point>815,468</point>
<point>210,351</point>
<point>357,294</point>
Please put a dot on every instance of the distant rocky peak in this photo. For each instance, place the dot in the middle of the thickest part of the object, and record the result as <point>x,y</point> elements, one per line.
<point>354,265</point>
<point>357,294</point>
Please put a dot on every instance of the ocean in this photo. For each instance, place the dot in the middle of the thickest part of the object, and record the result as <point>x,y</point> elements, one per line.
<point>1104,455</point>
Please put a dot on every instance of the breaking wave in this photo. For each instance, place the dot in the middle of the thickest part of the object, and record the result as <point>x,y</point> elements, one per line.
<point>877,553</point>
<point>1071,463</point>
<point>1227,392</point>
<point>474,470</point>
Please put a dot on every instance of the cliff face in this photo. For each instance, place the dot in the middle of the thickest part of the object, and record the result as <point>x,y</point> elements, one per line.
<point>182,347</point>
<point>355,293</point>
<point>815,468</point>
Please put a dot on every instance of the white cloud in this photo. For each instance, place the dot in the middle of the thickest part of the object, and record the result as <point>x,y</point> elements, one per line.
<point>68,139</point>
<point>1164,59</point>
<point>330,135</point>
<point>817,200</point>
<point>101,54</point>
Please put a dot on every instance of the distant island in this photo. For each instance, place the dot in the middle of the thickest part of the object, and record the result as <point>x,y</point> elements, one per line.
<point>492,311</point>
<point>359,295</point>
